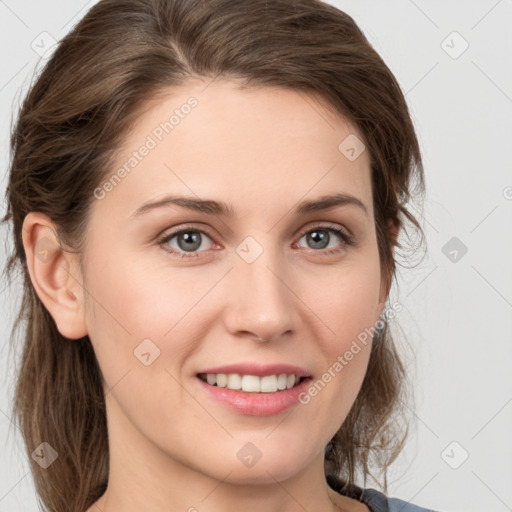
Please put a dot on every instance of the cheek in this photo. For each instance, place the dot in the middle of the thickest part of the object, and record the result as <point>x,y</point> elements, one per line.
<point>138,298</point>
<point>131,302</point>
<point>346,302</point>
<point>345,298</point>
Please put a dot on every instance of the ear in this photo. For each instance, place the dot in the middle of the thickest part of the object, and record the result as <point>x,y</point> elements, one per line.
<point>393,229</point>
<point>55,275</point>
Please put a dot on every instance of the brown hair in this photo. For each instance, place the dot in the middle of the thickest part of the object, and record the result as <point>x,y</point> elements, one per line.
<point>121,54</point>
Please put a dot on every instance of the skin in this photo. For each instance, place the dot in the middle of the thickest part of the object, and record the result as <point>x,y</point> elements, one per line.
<point>261,150</point>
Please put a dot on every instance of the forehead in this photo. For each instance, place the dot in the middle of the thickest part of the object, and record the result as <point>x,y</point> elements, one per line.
<point>264,146</point>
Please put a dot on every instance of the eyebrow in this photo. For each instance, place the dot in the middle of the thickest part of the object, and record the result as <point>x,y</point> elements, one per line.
<point>222,209</point>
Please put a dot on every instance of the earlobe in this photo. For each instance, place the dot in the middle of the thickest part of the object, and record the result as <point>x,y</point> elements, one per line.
<point>55,275</point>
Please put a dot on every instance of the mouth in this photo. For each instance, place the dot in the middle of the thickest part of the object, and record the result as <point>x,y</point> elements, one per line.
<point>254,389</point>
<point>247,383</point>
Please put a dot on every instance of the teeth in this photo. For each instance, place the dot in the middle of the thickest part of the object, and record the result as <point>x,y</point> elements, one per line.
<point>234,381</point>
<point>269,384</point>
<point>252,383</point>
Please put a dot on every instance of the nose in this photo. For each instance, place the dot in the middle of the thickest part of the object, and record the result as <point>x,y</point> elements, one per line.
<point>261,304</point>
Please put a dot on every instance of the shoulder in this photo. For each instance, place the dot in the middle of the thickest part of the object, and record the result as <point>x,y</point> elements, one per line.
<point>379,502</point>
<point>375,500</point>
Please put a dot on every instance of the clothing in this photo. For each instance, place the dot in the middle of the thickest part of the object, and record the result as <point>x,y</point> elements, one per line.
<point>373,499</point>
<point>378,502</point>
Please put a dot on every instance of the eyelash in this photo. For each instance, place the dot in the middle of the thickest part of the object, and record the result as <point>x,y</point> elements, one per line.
<point>346,238</point>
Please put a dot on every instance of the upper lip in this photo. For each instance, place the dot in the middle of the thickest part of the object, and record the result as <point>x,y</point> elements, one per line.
<point>260,370</point>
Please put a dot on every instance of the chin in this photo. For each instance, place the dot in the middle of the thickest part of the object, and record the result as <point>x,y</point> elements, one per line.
<point>261,474</point>
<point>260,462</point>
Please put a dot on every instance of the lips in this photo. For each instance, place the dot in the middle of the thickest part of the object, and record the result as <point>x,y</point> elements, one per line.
<point>256,390</point>
<point>258,370</point>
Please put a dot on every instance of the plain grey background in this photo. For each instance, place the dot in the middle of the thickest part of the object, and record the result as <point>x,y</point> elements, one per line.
<point>453,61</point>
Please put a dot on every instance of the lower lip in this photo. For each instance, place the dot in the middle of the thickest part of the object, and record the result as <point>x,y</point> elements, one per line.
<point>256,404</point>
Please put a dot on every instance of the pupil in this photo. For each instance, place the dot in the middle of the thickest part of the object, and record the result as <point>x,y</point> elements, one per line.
<point>318,239</point>
<point>189,237</point>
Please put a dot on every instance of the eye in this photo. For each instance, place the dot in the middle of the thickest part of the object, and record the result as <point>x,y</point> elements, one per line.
<point>189,242</point>
<point>186,241</point>
<point>321,238</point>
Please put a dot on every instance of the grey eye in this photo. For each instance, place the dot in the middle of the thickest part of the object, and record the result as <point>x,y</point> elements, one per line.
<point>189,240</point>
<point>318,239</point>
<point>321,238</point>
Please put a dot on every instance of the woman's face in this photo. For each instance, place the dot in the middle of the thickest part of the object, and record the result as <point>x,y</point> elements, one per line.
<point>266,287</point>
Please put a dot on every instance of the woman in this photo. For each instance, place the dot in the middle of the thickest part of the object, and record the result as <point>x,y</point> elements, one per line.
<point>252,370</point>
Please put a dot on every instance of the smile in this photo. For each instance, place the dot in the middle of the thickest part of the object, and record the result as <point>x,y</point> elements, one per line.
<point>252,383</point>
